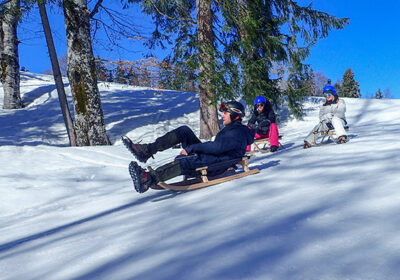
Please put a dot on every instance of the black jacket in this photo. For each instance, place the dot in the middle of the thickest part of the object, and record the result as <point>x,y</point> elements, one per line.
<point>229,143</point>
<point>262,121</point>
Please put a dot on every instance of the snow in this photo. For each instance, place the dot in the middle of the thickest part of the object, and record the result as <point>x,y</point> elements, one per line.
<point>329,212</point>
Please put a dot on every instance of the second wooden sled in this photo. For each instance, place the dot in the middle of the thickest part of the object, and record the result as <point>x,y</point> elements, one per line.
<point>261,144</point>
<point>206,181</point>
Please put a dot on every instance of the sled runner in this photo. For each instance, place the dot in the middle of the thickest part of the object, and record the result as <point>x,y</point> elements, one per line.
<point>261,144</point>
<point>326,135</point>
<point>205,180</point>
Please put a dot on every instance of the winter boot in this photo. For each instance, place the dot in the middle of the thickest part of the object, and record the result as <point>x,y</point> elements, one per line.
<point>140,151</point>
<point>342,139</point>
<point>273,149</point>
<point>329,126</point>
<point>142,180</point>
<point>306,145</point>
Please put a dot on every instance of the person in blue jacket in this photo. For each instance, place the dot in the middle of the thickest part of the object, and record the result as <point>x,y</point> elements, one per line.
<point>230,143</point>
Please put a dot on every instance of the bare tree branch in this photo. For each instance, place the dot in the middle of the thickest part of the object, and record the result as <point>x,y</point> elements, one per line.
<point>96,8</point>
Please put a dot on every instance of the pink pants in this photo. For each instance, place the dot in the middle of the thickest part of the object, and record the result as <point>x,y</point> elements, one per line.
<point>273,135</point>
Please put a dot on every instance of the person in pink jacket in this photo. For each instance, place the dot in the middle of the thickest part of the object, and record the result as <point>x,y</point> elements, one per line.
<point>264,122</point>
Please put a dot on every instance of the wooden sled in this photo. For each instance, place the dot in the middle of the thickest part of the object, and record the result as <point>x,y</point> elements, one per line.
<point>326,135</point>
<point>261,144</point>
<point>206,181</point>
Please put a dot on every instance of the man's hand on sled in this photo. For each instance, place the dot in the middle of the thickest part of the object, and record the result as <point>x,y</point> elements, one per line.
<point>183,152</point>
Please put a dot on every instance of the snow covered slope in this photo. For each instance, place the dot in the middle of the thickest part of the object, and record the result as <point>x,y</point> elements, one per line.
<point>329,212</point>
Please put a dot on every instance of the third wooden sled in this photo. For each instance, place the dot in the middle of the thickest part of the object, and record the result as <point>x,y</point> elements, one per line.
<point>326,135</point>
<point>205,181</point>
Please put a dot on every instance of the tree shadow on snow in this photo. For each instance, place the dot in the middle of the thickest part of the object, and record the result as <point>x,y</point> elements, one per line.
<point>127,110</point>
<point>45,234</point>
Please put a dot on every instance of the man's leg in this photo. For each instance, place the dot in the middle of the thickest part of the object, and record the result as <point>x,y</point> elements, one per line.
<point>182,134</point>
<point>167,171</point>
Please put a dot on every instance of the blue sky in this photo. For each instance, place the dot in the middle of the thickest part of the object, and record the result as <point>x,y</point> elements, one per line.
<point>369,45</point>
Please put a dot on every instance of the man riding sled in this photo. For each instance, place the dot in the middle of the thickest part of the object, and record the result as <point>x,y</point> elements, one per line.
<point>230,143</point>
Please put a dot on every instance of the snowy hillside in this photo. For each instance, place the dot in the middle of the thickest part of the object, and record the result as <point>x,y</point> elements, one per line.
<point>329,212</point>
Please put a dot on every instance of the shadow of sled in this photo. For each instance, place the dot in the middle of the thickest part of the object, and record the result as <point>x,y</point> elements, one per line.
<point>205,180</point>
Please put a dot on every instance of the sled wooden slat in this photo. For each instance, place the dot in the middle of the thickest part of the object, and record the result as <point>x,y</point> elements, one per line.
<point>326,134</point>
<point>188,187</point>
<point>204,181</point>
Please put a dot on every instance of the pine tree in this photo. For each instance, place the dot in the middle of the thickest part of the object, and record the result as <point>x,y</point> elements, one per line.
<point>120,73</point>
<point>338,87</point>
<point>378,94</point>
<point>387,94</point>
<point>133,77</point>
<point>311,83</point>
<point>101,69</point>
<point>248,37</point>
<point>350,88</point>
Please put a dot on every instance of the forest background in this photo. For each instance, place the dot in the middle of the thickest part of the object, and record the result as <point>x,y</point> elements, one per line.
<point>222,50</point>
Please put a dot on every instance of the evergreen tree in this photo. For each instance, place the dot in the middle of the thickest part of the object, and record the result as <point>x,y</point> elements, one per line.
<point>133,77</point>
<point>276,31</point>
<point>387,94</point>
<point>101,69</point>
<point>378,94</point>
<point>338,87</point>
<point>120,73</point>
<point>350,88</point>
<point>248,38</point>
<point>177,77</point>
<point>311,83</point>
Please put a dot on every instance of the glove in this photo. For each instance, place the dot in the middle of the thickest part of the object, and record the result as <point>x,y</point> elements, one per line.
<point>252,126</point>
<point>264,126</point>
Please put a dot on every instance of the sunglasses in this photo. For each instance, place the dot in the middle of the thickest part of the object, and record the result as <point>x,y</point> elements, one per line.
<point>260,105</point>
<point>327,94</point>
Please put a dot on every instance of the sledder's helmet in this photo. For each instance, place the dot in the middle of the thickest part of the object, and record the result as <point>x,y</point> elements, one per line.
<point>235,108</point>
<point>330,89</point>
<point>260,99</point>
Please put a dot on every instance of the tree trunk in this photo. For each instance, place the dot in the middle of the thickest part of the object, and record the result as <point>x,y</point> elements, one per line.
<point>208,113</point>
<point>9,56</point>
<point>88,112</point>
<point>57,74</point>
